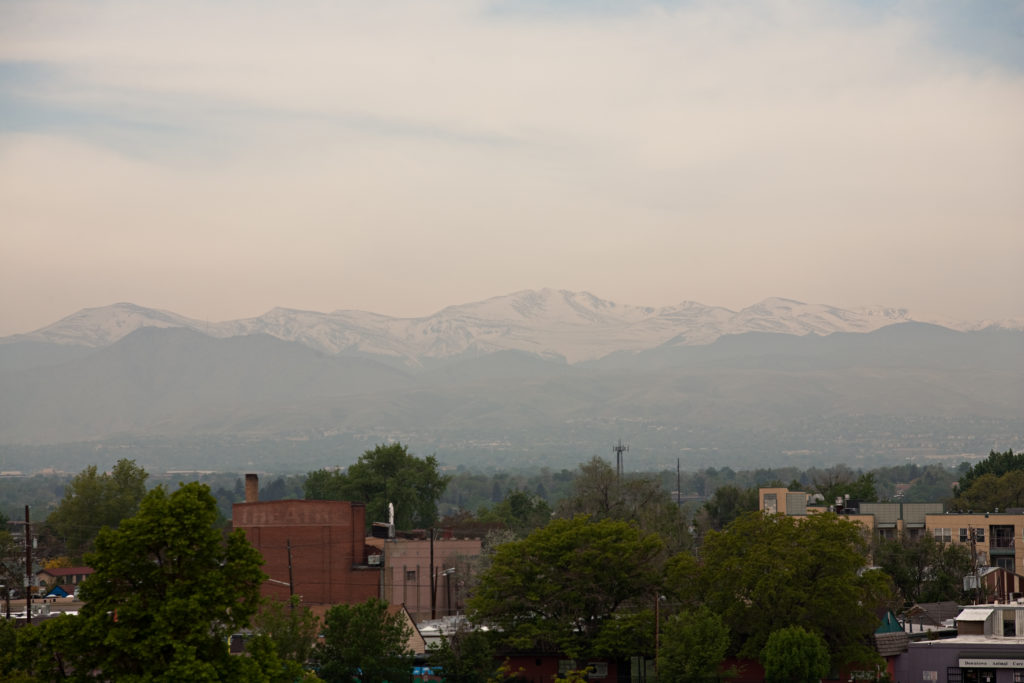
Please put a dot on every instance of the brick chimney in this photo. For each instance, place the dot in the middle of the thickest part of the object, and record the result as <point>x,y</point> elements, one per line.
<point>252,488</point>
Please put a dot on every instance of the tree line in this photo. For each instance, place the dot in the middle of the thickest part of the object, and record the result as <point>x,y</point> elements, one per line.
<point>615,568</point>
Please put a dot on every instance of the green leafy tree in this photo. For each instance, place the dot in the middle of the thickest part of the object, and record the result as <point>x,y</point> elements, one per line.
<point>465,657</point>
<point>8,643</point>
<point>567,582</point>
<point>364,642</point>
<point>519,511</point>
<point>167,592</point>
<point>933,484</point>
<point>693,646</point>
<point>631,631</point>
<point>767,572</point>
<point>386,474</point>
<point>794,655</point>
<point>840,481</point>
<point>10,572</point>
<point>51,650</point>
<point>996,464</point>
<point>598,491</point>
<point>94,500</point>
<point>726,504</point>
<point>924,569</point>
<point>992,492</point>
<point>291,627</point>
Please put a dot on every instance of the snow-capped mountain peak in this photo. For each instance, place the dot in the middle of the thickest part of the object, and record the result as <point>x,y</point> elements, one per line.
<point>105,325</point>
<point>550,322</point>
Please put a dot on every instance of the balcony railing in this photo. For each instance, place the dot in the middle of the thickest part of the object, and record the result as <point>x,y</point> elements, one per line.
<point>1002,546</point>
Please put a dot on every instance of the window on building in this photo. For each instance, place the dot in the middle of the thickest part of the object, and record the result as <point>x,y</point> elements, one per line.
<point>942,535</point>
<point>979,534</point>
<point>964,537</point>
<point>1005,562</point>
<point>771,503</point>
<point>1018,676</point>
<point>1001,536</point>
<point>410,575</point>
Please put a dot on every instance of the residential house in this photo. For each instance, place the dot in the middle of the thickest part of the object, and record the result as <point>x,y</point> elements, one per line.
<point>48,578</point>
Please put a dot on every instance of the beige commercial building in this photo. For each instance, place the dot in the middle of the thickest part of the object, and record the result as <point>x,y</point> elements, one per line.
<point>992,535</point>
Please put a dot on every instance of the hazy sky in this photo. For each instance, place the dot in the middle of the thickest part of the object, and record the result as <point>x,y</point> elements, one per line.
<point>221,158</point>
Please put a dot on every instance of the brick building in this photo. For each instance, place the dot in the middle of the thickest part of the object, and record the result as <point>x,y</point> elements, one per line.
<point>406,570</point>
<point>314,547</point>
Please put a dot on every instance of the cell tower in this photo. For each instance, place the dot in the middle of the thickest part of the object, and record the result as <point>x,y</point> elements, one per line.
<point>619,450</point>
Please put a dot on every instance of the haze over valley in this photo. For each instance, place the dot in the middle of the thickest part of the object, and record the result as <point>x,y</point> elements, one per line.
<point>538,377</point>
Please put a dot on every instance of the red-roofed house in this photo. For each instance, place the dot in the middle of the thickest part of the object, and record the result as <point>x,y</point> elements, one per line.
<point>62,575</point>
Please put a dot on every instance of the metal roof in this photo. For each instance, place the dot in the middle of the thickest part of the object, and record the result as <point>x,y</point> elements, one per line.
<point>974,614</point>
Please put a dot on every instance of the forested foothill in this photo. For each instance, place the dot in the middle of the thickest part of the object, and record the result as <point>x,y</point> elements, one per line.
<point>675,567</point>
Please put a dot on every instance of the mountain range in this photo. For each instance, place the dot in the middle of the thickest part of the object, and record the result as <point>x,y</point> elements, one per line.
<point>536,377</point>
<point>576,326</point>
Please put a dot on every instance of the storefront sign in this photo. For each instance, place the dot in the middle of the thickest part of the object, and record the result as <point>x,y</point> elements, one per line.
<point>991,663</point>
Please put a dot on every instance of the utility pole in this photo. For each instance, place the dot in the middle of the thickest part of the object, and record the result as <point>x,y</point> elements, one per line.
<point>433,579</point>
<point>28,567</point>
<point>619,450</point>
<point>291,579</point>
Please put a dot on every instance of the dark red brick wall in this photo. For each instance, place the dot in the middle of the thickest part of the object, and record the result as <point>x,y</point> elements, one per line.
<point>327,548</point>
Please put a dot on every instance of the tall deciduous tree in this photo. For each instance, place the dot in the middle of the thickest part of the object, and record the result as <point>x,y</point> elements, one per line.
<point>467,656</point>
<point>167,592</point>
<point>840,481</point>
<point>291,627</point>
<point>693,645</point>
<point>386,474</point>
<point>565,584</point>
<point>990,492</point>
<point>766,572</point>
<point>364,642</point>
<point>598,491</point>
<point>795,655</point>
<point>519,511</point>
<point>997,464</point>
<point>94,500</point>
<point>726,504</point>
<point>924,569</point>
